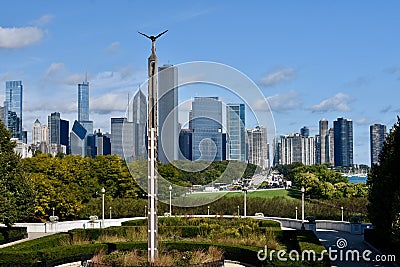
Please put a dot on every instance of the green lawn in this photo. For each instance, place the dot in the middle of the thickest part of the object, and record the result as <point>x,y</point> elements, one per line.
<point>264,194</point>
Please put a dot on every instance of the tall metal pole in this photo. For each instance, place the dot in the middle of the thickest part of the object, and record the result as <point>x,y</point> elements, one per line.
<point>342,213</point>
<point>103,191</point>
<point>245,204</point>
<point>170,200</point>
<point>152,128</point>
<point>302,207</point>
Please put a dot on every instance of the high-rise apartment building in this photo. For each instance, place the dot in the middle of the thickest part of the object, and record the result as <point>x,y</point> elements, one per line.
<point>377,134</point>
<point>13,108</point>
<point>297,148</point>
<point>122,138</point>
<point>236,132</point>
<point>276,149</point>
<point>343,139</point>
<point>258,147</point>
<point>331,146</point>
<point>207,129</point>
<point>168,127</point>
<point>324,141</point>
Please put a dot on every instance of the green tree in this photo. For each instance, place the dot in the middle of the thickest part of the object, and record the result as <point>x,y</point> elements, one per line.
<point>384,188</point>
<point>16,194</point>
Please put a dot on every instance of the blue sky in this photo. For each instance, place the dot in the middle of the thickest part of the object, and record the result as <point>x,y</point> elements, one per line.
<point>311,59</point>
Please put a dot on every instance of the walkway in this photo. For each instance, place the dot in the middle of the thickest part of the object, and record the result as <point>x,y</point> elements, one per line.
<point>346,243</point>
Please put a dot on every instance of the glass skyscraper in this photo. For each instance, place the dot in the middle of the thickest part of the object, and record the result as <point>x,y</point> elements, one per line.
<point>207,129</point>
<point>343,142</point>
<point>377,138</point>
<point>83,101</point>
<point>13,108</point>
<point>236,132</point>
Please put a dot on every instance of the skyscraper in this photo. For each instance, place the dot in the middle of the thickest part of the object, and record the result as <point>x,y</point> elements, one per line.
<point>207,129</point>
<point>122,138</point>
<point>343,139</point>
<point>77,139</point>
<point>377,134</point>
<point>168,129</point>
<point>297,148</point>
<point>58,132</point>
<point>236,132</point>
<point>83,101</point>
<point>258,148</point>
<point>13,108</point>
<point>324,141</point>
<point>37,132</point>
<point>305,131</point>
<point>138,116</point>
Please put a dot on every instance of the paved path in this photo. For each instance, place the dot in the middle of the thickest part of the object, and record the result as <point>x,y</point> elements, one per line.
<point>348,242</point>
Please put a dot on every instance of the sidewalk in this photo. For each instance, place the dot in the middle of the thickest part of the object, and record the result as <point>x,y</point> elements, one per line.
<point>329,239</point>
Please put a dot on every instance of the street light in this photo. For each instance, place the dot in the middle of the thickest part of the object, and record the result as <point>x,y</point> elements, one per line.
<point>170,200</point>
<point>110,212</point>
<point>302,207</point>
<point>238,211</point>
<point>296,213</point>
<point>55,209</point>
<point>245,200</point>
<point>103,191</point>
<point>342,213</point>
<point>208,210</point>
<point>145,210</point>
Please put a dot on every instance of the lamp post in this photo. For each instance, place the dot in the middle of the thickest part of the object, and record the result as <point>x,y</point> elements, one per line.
<point>103,191</point>
<point>55,209</point>
<point>245,201</point>
<point>110,212</point>
<point>238,211</point>
<point>302,207</point>
<point>145,210</point>
<point>296,213</point>
<point>170,200</point>
<point>208,210</point>
<point>342,213</point>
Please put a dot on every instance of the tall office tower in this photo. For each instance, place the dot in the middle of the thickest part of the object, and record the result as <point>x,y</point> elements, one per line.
<point>83,107</point>
<point>258,147</point>
<point>324,141</point>
<point>277,149</point>
<point>2,114</point>
<point>13,107</point>
<point>377,133</point>
<point>58,132</point>
<point>207,129</point>
<point>297,148</point>
<point>168,129</point>
<point>77,139</point>
<point>236,132</point>
<point>317,149</point>
<point>185,144</point>
<point>343,139</point>
<point>331,146</point>
<point>139,119</point>
<point>97,145</point>
<point>305,131</point>
<point>122,138</point>
<point>37,132</point>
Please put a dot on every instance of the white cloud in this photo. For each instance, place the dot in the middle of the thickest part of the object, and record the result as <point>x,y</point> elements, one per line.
<point>339,102</point>
<point>284,102</point>
<point>109,102</point>
<point>277,76</point>
<point>113,48</point>
<point>19,37</point>
<point>43,20</point>
<point>54,67</point>
<point>363,121</point>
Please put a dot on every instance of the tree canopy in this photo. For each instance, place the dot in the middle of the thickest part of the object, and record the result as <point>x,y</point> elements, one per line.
<point>16,194</point>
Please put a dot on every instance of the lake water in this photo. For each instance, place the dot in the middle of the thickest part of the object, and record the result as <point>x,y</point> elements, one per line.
<point>357,179</point>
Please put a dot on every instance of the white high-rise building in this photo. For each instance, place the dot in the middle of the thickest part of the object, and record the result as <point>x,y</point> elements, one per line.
<point>297,148</point>
<point>258,147</point>
<point>37,132</point>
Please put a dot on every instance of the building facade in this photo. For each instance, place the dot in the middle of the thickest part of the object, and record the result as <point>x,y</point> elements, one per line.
<point>343,139</point>
<point>207,129</point>
<point>58,132</point>
<point>324,141</point>
<point>258,147</point>
<point>122,140</point>
<point>168,125</point>
<point>377,134</point>
<point>13,108</point>
<point>297,148</point>
<point>138,116</point>
<point>236,132</point>
<point>37,133</point>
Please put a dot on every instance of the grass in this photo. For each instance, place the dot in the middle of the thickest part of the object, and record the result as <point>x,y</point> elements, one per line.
<point>260,194</point>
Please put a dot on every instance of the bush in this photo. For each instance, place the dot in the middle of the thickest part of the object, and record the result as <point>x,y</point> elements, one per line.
<point>45,242</point>
<point>11,234</point>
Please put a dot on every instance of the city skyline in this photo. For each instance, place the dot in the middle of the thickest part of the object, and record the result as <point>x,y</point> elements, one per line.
<point>314,60</point>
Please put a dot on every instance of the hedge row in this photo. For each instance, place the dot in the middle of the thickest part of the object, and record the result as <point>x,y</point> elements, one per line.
<point>12,234</point>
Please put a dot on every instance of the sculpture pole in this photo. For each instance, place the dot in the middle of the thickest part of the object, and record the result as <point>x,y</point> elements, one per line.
<point>152,185</point>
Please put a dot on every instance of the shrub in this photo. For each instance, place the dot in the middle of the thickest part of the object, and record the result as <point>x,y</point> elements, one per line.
<point>11,234</point>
